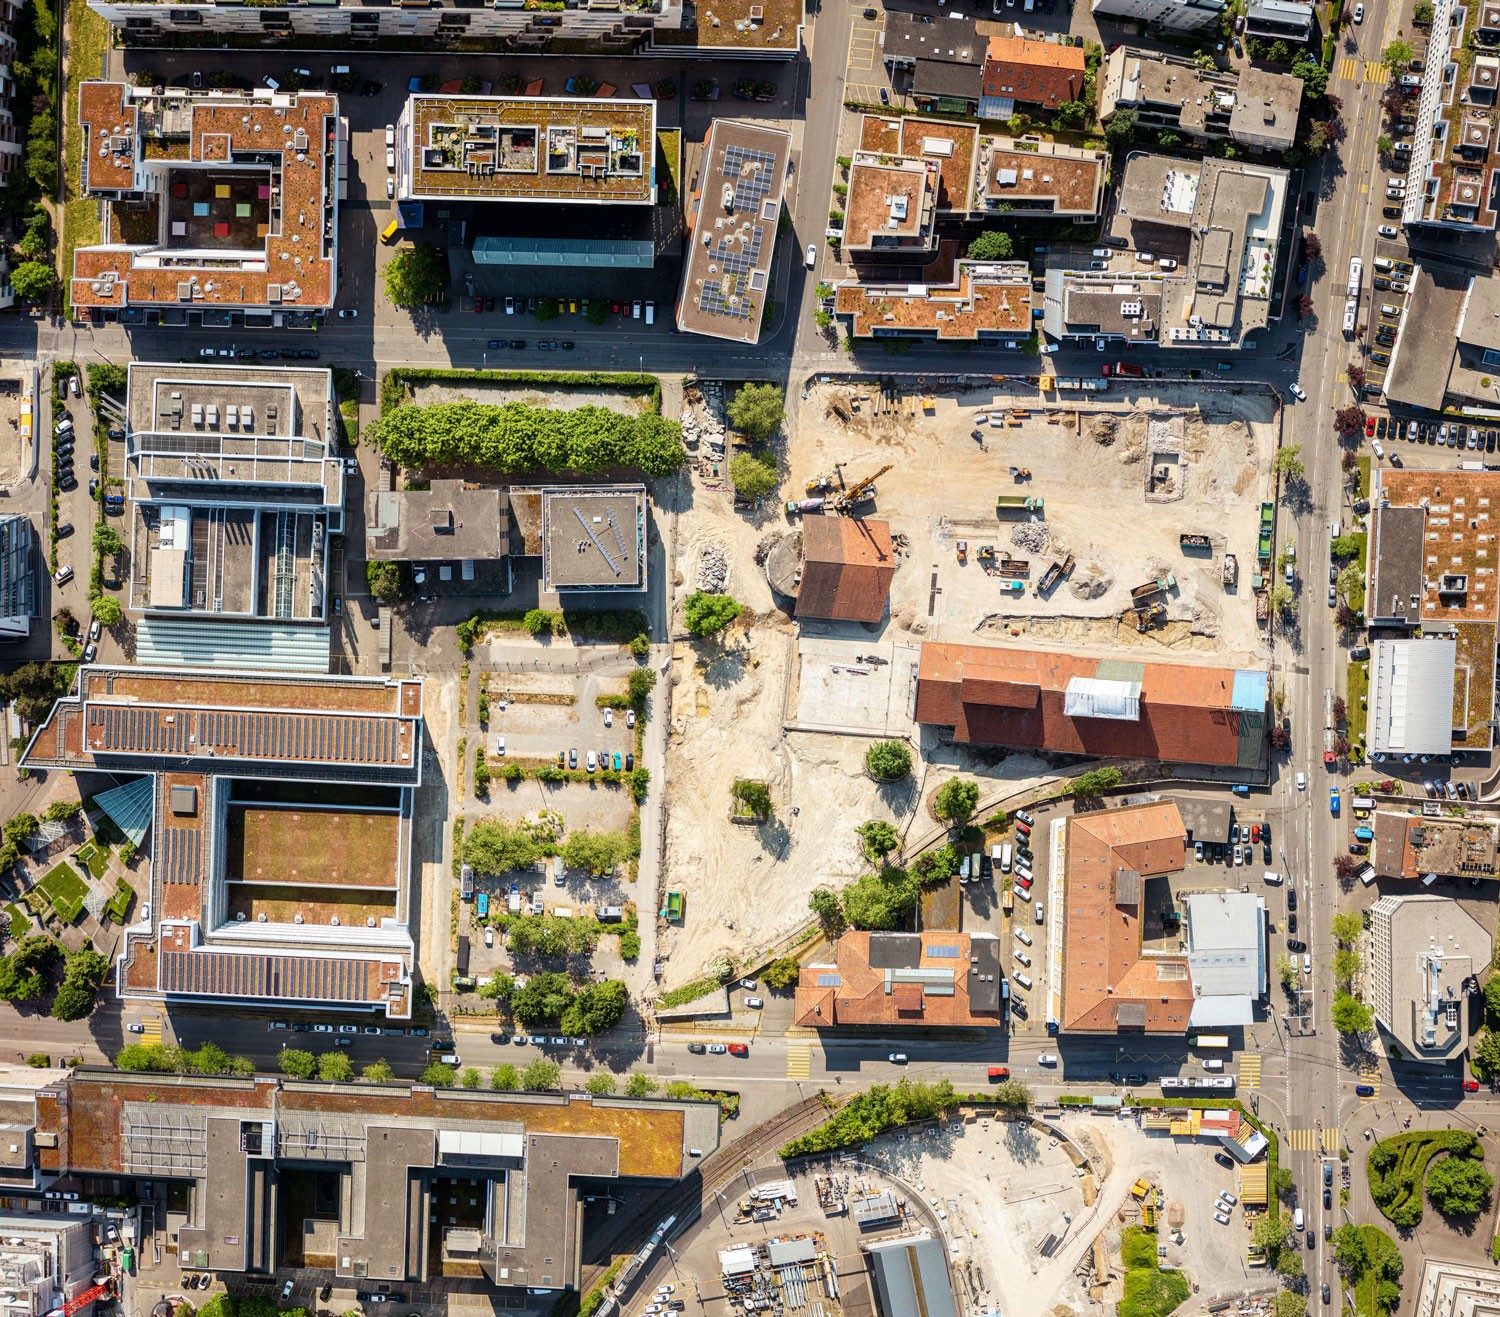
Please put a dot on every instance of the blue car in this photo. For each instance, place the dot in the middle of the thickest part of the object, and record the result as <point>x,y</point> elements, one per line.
<point>1333,801</point>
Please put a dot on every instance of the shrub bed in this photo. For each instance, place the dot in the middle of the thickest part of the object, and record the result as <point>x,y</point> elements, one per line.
<point>1397,1168</point>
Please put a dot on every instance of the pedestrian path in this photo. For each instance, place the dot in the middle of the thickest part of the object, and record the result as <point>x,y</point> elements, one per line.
<point>151,1029</point>
<point>1302,1140</point>
<point>1250,1070</point>
<point>1352,69</point>
<point>798,1060</point>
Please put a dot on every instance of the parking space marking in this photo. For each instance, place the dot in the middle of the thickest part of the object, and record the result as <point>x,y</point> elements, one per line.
<point>866,93</point>
<point>1250,1070</point>
<point>798,1060</point>
<point>862,46</point>
<point>1302,1140</point>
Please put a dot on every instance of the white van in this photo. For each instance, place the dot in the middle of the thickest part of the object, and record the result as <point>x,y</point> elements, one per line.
<point>1005,858</point>
<point>1298,1220</point>
<point>963,869</point>
<point>1273,877</point>
<point>1022,980</point>
<point>1362,802</point>
<point>1384,264</point>
<point>1215,1064</point>
<point>1387,309</point>
<point>650,313</point>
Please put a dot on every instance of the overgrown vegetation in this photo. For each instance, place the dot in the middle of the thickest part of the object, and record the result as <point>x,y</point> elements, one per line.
<point>879,1108</point>
<point>623,624</point>
<point>1397,1168</point>
<point>1149,1291</point>
<point>1370,1262</point>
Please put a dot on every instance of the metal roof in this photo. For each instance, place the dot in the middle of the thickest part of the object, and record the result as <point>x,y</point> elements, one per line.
<point>1411,696</point>
<point>242,646</point>
<point>569,253</point>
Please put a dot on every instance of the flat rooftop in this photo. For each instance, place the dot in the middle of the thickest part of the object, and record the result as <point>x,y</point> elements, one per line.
<point>250,724</point>
<point>1057,179</point>
<point>449,520</point>
<point>527,148</point>
<point>949,147</point>
<point>1459,554</point>
<point>890,205</point>
<point>241,189</point>
<point>192,425</point>
<point>737,203</point>
<point>985,300</point>
<point>1423,361</point>
<point>751,25</point>
<point>594,538</point>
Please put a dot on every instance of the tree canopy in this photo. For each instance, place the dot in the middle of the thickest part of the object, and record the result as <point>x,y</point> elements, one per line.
<point>992,245</point>
<point>83,972</point>
<point>956,799</point>
<point>543,999</point>
<point>33,280</point>
<point>513,438</point>
<point>1350,1015</point>
<point>751,476</point>
<point>880,900</point>
<point>879,838</point>
<point>706,614</point>
<point>415,276</point>
<point>888,760</point>
<point>756,410</point>
<point>596,1008</point>
<point>494,848</point>
<point>1458,1186</point>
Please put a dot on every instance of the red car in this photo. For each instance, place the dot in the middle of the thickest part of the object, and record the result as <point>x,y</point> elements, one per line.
<point>1255,832</point>
<point>479,306</point>
<point>1370,427</point>
<point>738,1049</point>
<point>1471,1086</point>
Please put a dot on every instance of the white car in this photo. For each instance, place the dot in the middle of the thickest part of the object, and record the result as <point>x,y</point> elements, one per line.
<point>1022,959</point>
<point>348,1028</point>
<point>1041,912</point>
<point>1301,781</point>
<point>609,717</point>
<point>1023,937</point>
<point>630,717</point>
<point>812,256</point>
<point>390,158</point>
<point>350,313</point>
<point>1227,1198</point>
<point>390,189</point>
<point>717,1049</point>
<point>322,1028</point>
<point>1359,13</point>
<point>897,1058</point>
<point>1221,1218</point>
<point>755,1003</point>
<point>593,761</point>
<point>499,747</point>
<point>1307,963</point>
<point>73,384</point>
<point>1388,231</point>
<point>1377,448</point>
<point>1047,1058</point>
<point>665,1289</point>
<point>1298,392</point>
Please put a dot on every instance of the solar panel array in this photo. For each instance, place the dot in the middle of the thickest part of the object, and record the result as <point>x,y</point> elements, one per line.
<point>308,738</point>
<point>286,976</point>
<point>736,261</point>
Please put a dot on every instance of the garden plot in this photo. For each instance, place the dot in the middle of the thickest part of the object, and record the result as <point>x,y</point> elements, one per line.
<point>553,397</point>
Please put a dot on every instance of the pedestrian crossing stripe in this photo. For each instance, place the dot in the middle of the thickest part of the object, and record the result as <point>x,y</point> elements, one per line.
<point>151,1029</point>
<point>1376,73</point>
<point>1349,69</point>
<point>1250,1071</point>
<point>1302,1140</point>
<point>799,1061</point>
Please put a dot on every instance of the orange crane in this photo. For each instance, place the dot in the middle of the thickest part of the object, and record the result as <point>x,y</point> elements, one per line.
<point>82,1300</point>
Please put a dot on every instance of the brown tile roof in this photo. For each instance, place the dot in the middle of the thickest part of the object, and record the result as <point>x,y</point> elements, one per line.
<point>297,133</point>
<point>995,695</point>
<point>918,979</point>
<point>958,311</point>
<point>847,568</point>
<point>1108,985</point>
<point>1035,72</point>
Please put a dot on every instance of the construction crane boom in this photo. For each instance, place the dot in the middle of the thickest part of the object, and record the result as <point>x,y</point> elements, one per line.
<point>851,495</point>
<point>81,1300</point>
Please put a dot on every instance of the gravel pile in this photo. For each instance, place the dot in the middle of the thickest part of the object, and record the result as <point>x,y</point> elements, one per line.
<point>713,569</point>
<point>1102,430</point>
<point>1033,536</point>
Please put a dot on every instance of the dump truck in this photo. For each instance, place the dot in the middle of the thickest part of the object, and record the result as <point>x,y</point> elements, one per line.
<point>1055,573</point>
<point>1267,525</point>
<point>1160,585</point>
<point>1130,369</point>
<point>1013,587</point>
<point>1008,503</point>
<point>1231,570</point>
<point>1019,568</point>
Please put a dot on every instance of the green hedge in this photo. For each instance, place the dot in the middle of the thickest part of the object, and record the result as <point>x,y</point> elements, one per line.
<point>621,624</point>
<point>393,387</point>
<point>1397,1168</point>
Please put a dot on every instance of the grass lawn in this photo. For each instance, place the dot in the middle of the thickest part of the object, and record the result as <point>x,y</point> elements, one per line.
<point>1364,478</point>
<point>669,141</point>
<point>88,38</point>
<point>1149,1291</point>
<point>65,890</point>
<point>95,856</point>
<point>1397,1168</point>
<point>20,922</point>
<point>1355,713</point>
<point>1383,1264</point>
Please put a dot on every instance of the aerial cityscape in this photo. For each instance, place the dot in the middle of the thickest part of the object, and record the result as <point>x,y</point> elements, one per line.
<point>683,659</point>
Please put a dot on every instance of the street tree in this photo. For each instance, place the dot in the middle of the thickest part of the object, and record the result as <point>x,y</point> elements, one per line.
<point>335,1067</point>
<point>888,760</point>
<point>707,614</point>
<point>1397,55</point>
<point>415,276</point>
<point>1349,421</point>
<point>639,1085</point>
<point>1286,971</point>
<point>1346,926</point>
<point>879,838</point>
<point>1312,246</point>
<point>541,1075</point>
<point>955,801</point>
<point>1346,963</point>
<point>297,1063</point>
<point>1356,375</point>
<point>1288,462</point>
<point>378,1071</point>
<point>753,477</point>
<point>505,1078</point>
<point>601,1084</point>
<point>1283,600</point>
<point>1352,1016</point>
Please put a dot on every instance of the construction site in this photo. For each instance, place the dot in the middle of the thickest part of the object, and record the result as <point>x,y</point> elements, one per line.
<point>1108,528</point>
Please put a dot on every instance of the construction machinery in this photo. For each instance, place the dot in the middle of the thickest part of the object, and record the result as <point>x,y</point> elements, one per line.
<point>1009,503</point>
<point>1053,575</point>
<point>962,548</point>
<point>857,493</point>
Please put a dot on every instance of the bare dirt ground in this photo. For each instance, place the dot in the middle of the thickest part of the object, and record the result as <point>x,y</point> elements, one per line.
<point>532,395</point>
<point>746,887</point>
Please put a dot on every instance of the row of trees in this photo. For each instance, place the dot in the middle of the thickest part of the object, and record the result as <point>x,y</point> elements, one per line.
<point>550,1000</point>
<point>493,848</point>
<point>167,1059</point>
<point>333,1067</point>
<point>514,438</point>
<point>885,1106</point>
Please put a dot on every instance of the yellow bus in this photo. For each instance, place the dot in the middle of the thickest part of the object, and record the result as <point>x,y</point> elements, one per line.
<point>1212,1041</point>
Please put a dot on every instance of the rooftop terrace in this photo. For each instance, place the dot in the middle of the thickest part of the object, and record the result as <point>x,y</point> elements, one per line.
<point>985,300</point>
<point>258,229</point>
<point>527,148</point>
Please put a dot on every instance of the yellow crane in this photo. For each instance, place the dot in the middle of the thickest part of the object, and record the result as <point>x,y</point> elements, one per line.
<point>852,495</point>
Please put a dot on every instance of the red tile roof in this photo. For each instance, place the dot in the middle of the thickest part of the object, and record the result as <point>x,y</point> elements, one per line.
<point>848,566</point>
<point>1108,984</point>
<point>919,979</point>
<point>991,695</point>
<point>1036,72</point>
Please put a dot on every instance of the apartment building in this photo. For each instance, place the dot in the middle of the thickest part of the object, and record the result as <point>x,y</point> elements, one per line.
<point>1174,17</point>
<point>1421,949</point>
<point>1022,74</point>
<point>218,210</point>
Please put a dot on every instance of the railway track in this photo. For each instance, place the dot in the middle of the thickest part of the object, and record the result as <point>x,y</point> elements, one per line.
<point>718,1169</point>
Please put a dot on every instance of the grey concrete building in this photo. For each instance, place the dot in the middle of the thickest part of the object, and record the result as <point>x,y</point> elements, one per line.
<point>19,581</point>
<point>1421,950</point>
<point>1175,16</point>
